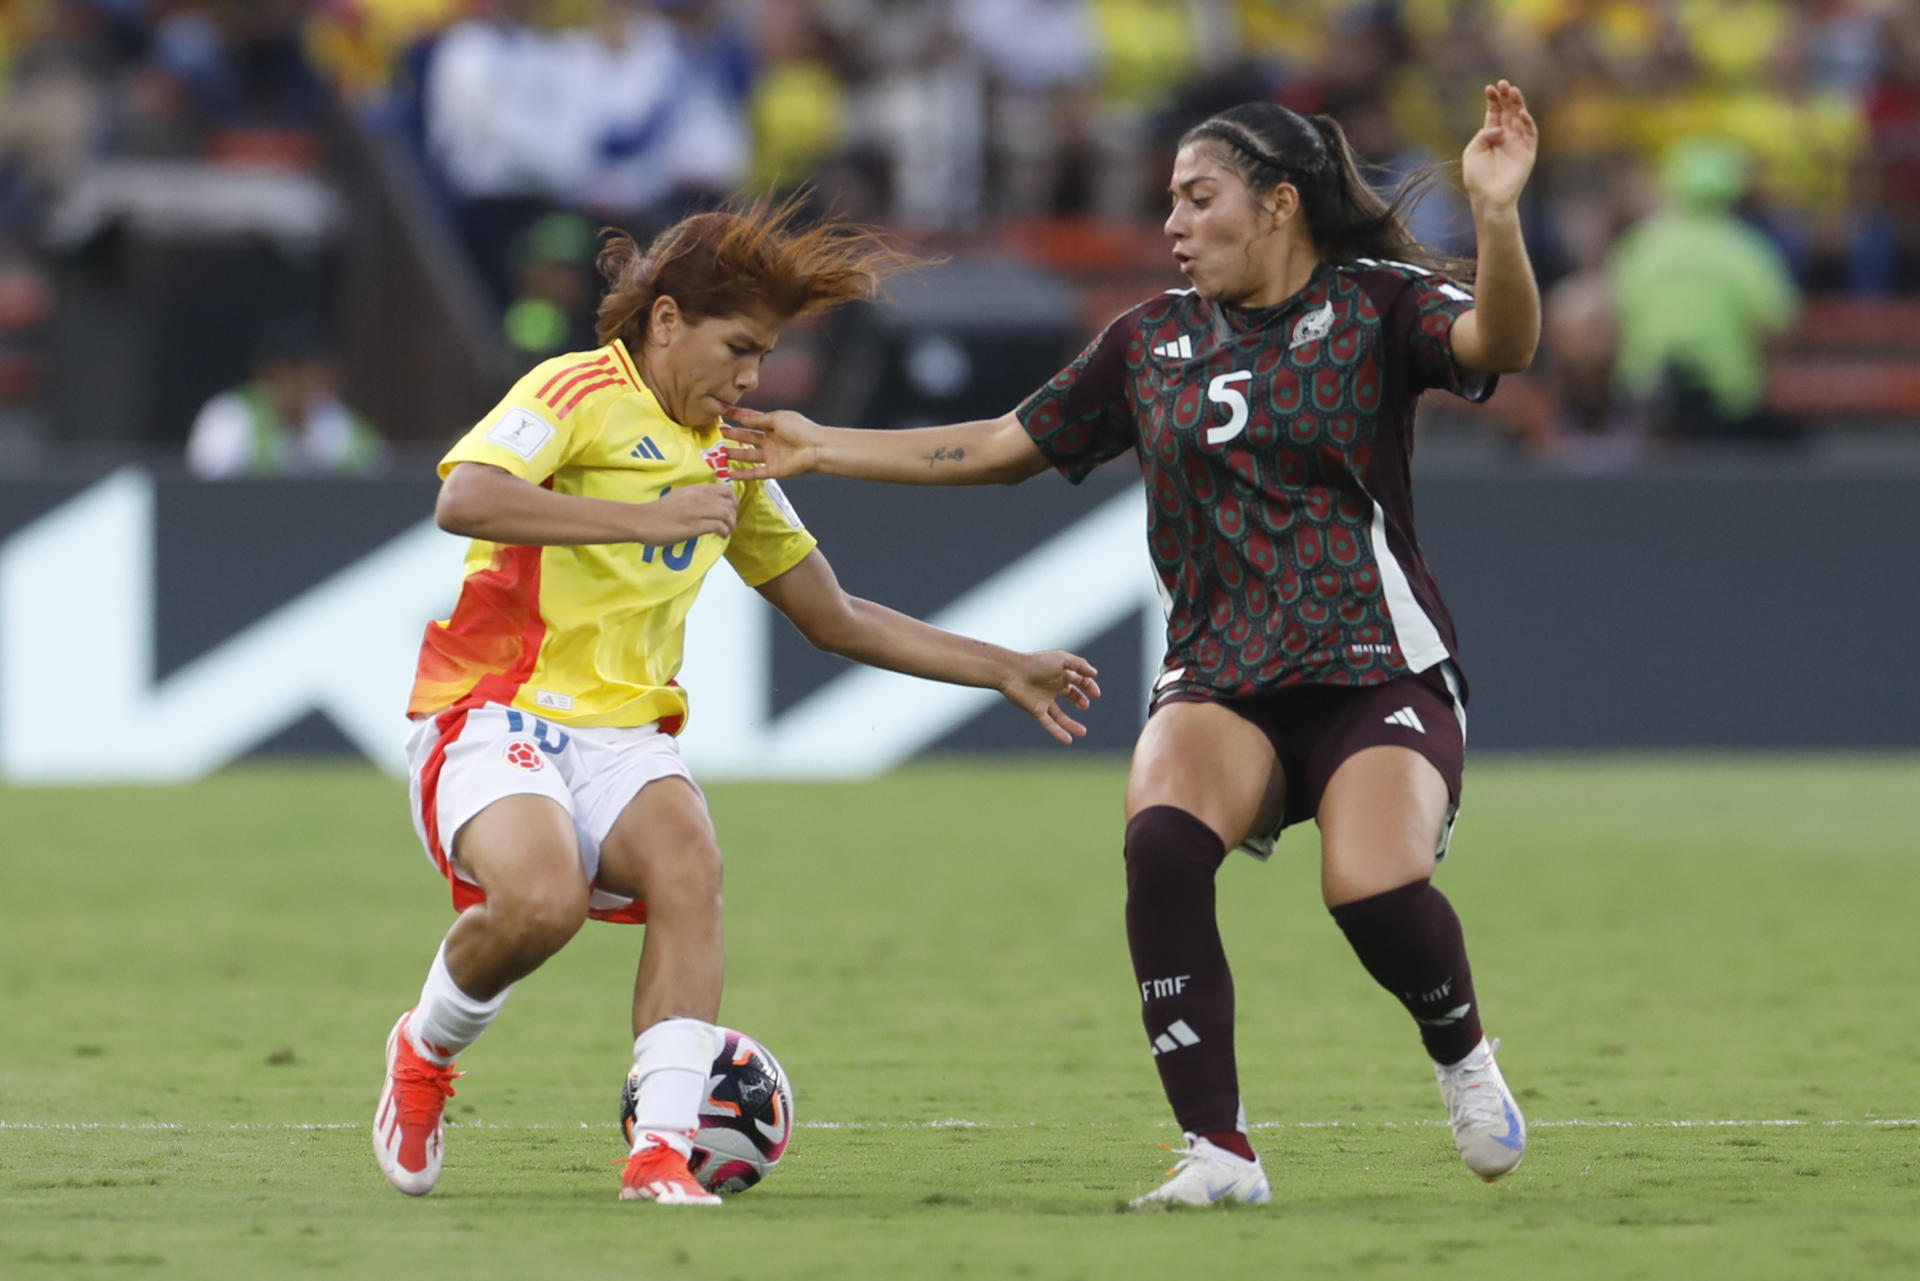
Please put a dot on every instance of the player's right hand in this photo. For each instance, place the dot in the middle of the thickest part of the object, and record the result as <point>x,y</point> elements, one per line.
<point>764,446</point>
<point>681,514</point>
<point>1497,161</point>
<point>1035,682</point>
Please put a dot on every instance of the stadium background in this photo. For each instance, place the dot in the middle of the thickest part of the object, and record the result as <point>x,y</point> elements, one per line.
<point>414,186</point>
<point>1701,953</point>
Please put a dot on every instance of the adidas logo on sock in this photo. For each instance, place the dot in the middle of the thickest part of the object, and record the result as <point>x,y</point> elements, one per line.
<point>1405,716</point>
<point>1448,1019</point>
<point>1180,348</point>
<point>1177,1037</point>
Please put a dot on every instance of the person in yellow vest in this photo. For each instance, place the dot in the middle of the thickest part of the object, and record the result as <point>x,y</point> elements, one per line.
<point>287,420</point>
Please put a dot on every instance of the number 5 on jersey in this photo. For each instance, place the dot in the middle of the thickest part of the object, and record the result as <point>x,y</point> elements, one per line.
<point>1221,391</point>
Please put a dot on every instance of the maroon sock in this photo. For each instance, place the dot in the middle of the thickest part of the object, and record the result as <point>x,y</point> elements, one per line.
<point>1186,989</point>
<point>1233,1141</point>
<point>1410,941</point>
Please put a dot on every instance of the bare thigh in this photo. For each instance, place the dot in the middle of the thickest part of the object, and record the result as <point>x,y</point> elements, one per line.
<point>661,845</point>
<point>1212,763</point>
<point>520,843</point>
<point>1380,822</point>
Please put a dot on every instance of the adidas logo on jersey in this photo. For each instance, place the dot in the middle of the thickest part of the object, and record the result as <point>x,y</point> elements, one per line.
<point>1405,716</point>
<point>1180,348</point>
<point>647,449</point>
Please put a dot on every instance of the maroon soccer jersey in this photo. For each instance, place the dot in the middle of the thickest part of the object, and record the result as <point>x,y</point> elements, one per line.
<point>1277,444</point>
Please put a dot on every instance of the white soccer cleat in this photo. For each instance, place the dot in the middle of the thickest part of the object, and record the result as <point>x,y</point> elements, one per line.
<point>408,1123</point>
<point>1487,1125</point>
<point>1206,1175</point>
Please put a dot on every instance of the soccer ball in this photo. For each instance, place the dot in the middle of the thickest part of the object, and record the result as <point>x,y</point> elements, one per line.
<point>745,1120</point>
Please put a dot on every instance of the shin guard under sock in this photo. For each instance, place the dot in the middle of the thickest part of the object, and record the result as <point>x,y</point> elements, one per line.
<point>1410,941</point>
<point>1186,989</point>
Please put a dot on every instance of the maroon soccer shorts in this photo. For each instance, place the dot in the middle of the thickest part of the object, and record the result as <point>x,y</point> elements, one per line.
<point>1314,729</point>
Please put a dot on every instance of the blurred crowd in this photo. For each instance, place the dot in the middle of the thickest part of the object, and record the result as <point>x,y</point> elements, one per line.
<point>942,114</point>
<point>1797,122</point>
<point>83,80</point>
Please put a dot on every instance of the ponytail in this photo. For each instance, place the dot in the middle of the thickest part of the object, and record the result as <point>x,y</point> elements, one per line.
<point>630,292</point>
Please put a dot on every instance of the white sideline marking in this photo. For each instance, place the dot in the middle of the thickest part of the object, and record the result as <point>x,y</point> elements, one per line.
<point>956,1123</point>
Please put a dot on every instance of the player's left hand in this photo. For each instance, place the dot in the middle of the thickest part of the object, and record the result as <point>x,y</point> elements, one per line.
<point>1036,681</point>
<point>1496,163</point>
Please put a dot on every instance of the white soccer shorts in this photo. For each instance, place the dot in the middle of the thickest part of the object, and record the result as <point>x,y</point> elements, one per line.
<point>464,760</point>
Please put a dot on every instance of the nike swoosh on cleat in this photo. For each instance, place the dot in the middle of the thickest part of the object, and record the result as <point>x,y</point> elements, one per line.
<point>1512,1139</point>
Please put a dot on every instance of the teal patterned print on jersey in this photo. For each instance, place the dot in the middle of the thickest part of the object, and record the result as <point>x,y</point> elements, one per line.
<point>1276,446</point>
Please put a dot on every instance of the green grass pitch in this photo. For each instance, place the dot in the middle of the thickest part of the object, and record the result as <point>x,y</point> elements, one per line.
<point>1703,970</point>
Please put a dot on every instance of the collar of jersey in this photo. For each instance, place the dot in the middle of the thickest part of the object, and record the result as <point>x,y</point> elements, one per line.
<point>1312,294</point>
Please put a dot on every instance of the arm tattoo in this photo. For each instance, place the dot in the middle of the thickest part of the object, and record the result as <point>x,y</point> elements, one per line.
<point>945,455</point>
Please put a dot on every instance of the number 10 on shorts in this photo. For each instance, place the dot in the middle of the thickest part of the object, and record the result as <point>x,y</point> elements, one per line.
<point>552,741</point>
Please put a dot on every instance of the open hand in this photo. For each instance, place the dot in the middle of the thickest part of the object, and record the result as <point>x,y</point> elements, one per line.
<point>769,446</point>
<point>1038,680</point>
<point>1496,163</point>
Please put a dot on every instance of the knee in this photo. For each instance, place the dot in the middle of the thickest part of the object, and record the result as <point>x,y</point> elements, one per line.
<point>1350,873</point>
<point>1165,840</point>
<point>539,919</point>
<point>1170,854</point>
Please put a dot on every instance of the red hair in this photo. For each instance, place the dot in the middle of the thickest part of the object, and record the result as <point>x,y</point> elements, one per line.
<point>732,261</point>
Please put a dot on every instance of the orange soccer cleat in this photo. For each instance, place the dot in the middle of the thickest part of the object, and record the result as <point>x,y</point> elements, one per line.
<point>657,1171</point>
<point>408,1123</point>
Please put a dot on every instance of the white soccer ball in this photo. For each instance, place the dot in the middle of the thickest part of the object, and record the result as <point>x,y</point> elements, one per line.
<point>746,1118</point>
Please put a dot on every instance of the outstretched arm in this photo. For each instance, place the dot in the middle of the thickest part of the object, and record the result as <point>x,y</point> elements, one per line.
<point>987,452</point>
<point>1498,336</point>
<point>812,598</point>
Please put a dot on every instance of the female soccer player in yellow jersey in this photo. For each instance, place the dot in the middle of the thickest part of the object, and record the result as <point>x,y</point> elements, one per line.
<point>546,784</point>
<point>1311,667</point>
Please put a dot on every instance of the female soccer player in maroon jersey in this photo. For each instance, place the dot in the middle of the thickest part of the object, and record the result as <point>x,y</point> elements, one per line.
<point>1310,668</point>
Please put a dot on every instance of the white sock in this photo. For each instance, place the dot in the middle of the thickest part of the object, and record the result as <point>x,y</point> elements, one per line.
<point>447,1020</point>
<point>672,1058</point>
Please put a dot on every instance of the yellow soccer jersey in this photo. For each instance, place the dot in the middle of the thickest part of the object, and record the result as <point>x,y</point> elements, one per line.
<point>592,635</point>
